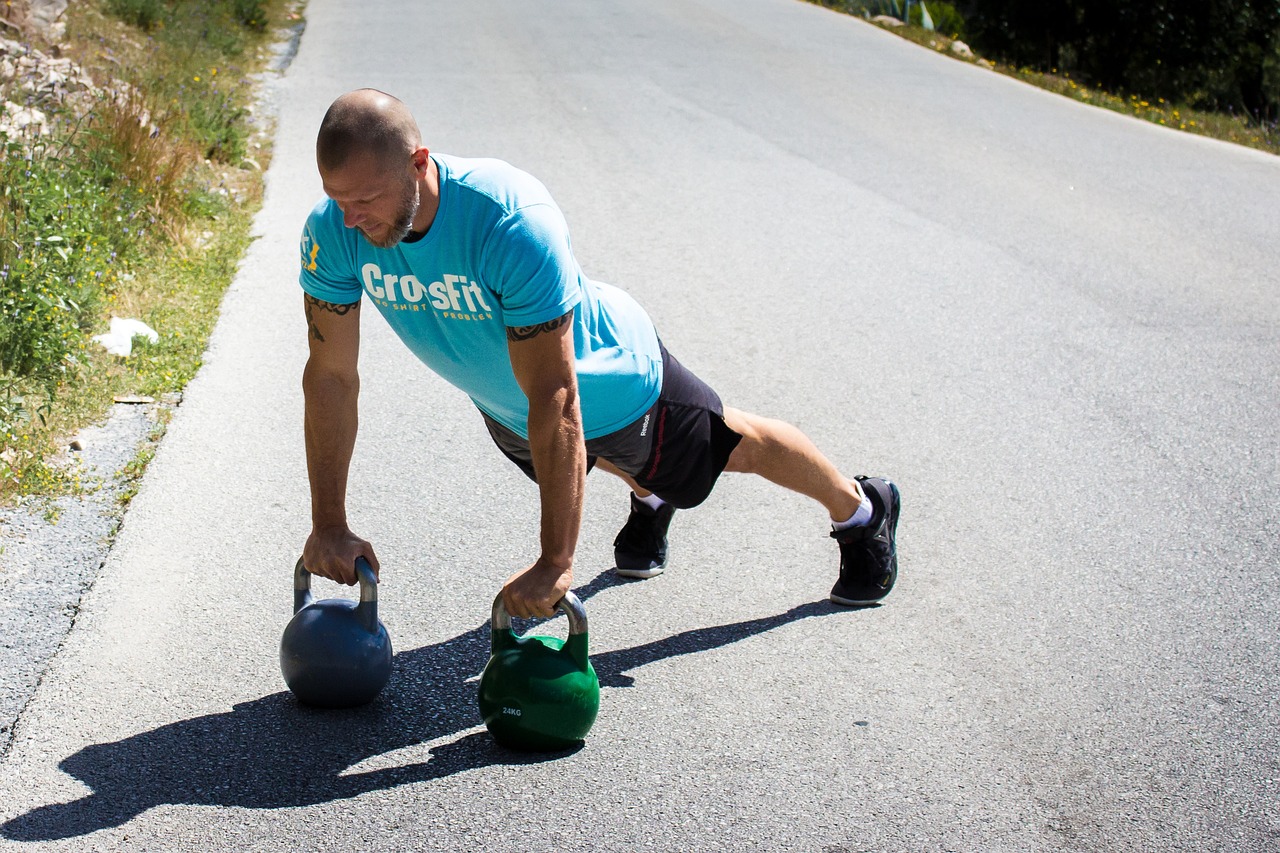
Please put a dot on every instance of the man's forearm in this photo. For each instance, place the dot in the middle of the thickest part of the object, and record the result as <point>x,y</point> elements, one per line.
<point>331,423</point>
<point>560,461</point>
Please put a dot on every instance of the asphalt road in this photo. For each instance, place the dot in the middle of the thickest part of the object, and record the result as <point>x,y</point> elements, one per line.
<point>1054,327</point>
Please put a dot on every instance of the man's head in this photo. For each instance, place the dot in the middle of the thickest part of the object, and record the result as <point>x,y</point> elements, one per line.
<point>369,151</point>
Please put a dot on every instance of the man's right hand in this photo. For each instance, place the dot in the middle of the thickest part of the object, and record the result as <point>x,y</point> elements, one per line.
<point>331,552</point>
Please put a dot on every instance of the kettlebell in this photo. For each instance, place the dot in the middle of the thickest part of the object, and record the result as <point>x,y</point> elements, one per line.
<point>538,693</point>
<point>335,653</point>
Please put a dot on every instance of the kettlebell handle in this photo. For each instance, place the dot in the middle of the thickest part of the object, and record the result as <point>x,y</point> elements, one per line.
<point>570,605</point>
<point>368,590</point>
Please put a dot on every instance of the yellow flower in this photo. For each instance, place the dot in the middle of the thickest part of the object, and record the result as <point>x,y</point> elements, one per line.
<point>197,79</point>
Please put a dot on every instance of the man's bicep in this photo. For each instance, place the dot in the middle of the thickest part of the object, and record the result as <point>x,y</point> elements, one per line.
<point>542,357</point>
<point>333,330</point>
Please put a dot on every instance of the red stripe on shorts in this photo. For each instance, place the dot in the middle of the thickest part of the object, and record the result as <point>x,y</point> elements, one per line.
<point>657,452</point>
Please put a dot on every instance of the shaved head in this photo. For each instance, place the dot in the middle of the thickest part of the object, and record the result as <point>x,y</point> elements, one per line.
<point>366,122</point>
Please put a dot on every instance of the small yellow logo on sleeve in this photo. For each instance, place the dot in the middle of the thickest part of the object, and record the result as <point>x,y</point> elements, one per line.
<point>309,259</point>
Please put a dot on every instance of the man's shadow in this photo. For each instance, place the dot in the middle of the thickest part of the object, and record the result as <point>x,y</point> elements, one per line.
<point>272,752</point>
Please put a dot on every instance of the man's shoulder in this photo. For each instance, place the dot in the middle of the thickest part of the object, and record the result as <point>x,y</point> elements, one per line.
<point>490,180</point>
<point>328,255</point>
<point>325,214</point>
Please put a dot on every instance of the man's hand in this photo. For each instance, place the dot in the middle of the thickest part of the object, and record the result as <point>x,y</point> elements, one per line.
<point>331,552</point>
<point>536,590</point>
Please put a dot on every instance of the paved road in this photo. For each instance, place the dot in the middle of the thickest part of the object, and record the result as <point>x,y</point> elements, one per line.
<point>1055,327</point>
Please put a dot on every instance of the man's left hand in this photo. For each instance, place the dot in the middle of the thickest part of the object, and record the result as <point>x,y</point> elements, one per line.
<point>536,590</point>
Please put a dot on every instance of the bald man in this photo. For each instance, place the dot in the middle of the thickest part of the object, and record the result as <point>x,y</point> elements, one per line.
<point>469,262</point>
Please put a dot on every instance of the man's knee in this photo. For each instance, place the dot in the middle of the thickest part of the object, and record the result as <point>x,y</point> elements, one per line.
<point>752,428</point>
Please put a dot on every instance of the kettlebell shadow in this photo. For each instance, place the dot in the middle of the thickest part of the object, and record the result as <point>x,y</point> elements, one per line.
<point>273,752</point>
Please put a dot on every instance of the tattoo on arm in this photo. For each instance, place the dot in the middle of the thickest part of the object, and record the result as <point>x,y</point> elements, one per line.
<point>524,333</point>
<point>312,303</point>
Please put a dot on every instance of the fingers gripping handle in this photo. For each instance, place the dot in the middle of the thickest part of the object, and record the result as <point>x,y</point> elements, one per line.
<point>368,590</point>
<point>570,605</point>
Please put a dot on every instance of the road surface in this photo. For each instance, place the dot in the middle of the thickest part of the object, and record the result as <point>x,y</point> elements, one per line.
<point>1055,327</point>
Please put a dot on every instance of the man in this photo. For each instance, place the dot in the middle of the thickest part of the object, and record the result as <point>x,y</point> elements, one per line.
<point>470,263</point>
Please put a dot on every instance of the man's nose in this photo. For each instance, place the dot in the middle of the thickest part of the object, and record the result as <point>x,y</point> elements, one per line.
<point>352,217</point>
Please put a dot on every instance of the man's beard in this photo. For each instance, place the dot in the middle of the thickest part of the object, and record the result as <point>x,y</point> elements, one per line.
<point>404,222</point>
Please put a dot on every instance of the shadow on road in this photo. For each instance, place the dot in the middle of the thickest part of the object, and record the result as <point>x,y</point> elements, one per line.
<point>274,753</point>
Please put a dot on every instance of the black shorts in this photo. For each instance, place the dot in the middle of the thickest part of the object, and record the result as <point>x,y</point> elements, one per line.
<point>677,449</point>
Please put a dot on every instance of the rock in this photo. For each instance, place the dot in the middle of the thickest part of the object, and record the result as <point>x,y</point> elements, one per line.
<point>76,445</point>
<point>17,120</point>
<point>886,21</point>
<point>41,16</point>
<point>985,64</point>
<point>46,84</point>
<point>961,50</point>
<point>46,15</point>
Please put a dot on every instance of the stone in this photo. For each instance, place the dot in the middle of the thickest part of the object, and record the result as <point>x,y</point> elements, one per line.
<point>17,120</point>
<point>46,84</point>
<point>886,21</point>
<point>961,50</point>
<point>45,15</point>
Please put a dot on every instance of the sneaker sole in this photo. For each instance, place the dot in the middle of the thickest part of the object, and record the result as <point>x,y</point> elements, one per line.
<point>638,573</point>
<point>845,602</point>
<point>849,602</point>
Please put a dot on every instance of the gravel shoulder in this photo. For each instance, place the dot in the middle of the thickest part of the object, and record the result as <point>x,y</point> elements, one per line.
<point>52,549</point>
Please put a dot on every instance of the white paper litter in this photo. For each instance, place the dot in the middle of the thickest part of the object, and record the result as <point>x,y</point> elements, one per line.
<point>119,341</point>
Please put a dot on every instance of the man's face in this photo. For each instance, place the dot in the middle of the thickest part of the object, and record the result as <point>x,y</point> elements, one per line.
<point>380,201</point>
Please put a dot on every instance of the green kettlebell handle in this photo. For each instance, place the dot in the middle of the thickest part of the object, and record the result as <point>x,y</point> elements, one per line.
<point>368,607</point>
<point>571,606</point>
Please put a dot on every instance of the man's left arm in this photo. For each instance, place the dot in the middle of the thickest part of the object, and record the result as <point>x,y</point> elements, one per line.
<point>542,359</point>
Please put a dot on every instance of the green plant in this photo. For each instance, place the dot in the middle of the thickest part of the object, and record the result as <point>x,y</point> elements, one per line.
<point>143,14</point>
<point>947,20</point>
<point>97,218</point>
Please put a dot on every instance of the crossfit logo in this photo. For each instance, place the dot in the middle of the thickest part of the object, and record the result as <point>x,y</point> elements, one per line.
<point>310,249</point>
<point>453,297</point>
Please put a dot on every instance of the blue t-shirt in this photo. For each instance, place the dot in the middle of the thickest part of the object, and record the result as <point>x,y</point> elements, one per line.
<point>496,255</point>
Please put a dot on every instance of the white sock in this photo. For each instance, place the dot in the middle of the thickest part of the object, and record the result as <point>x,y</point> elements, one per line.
<point>652,501</point>
<point>862,516</point>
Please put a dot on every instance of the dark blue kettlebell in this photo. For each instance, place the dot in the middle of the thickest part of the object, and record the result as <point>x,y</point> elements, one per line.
<point>335,653</point>
<point>539,693</point>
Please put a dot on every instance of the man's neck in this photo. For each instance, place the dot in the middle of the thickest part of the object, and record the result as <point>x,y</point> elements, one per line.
<point>428,199</point>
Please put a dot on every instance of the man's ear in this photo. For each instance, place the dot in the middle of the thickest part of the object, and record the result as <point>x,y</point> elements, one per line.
<point>421,160</point>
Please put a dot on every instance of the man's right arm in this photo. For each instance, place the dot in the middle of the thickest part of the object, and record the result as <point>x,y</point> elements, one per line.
<point>331,388</point>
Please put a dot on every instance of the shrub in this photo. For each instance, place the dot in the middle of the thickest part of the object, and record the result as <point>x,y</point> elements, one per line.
<point>947,20</point>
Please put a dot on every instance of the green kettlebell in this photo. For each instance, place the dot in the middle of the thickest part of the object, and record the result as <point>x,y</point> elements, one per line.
<point>538,693</point>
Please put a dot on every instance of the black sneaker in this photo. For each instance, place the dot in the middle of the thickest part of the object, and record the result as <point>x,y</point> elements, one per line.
<point>869,554</point>
<point>640,550</point>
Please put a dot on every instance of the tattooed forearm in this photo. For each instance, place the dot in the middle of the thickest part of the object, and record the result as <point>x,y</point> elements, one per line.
<point>523,333</point>
<point>312,303</point>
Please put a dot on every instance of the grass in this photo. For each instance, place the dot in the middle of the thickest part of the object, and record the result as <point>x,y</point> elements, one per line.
<point>1239,129</point>
<point>138,207</point>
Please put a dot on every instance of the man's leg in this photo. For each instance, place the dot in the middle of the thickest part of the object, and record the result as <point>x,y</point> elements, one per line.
<point>864,512</point>
<point>784,455</point>
<point>640,549</point>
